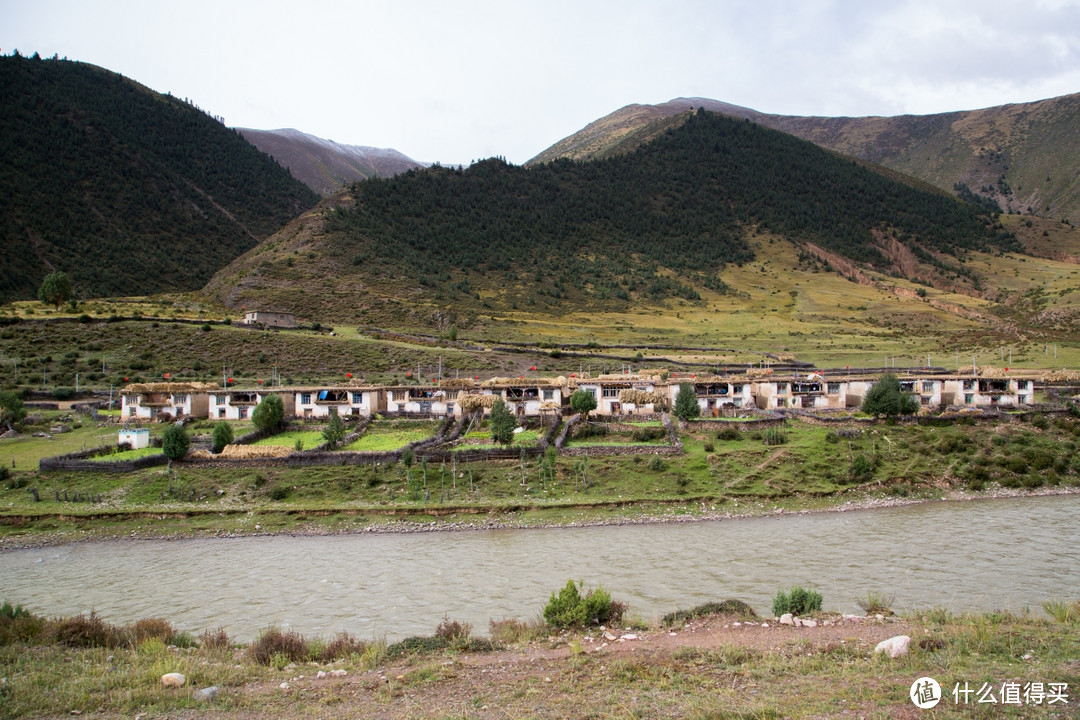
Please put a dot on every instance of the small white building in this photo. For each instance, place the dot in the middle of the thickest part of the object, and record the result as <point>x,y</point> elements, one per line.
<point>136,439</point>
<point>263,318</point>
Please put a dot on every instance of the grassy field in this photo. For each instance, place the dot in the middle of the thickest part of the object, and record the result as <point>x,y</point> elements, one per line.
<point>309,439</point>
<point>710,666</point>
<point>808,466</point>
<point>127,455</point>
<point>387,435</point>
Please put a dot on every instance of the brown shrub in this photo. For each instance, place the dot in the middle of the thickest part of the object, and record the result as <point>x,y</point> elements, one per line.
<point>92,631</point>
<point>342,646</point>
<point>288,644</point>
<point>216,640</point>
<point>153,628</point>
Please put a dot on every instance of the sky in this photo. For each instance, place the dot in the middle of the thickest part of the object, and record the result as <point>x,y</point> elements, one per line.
<point>454,81</point>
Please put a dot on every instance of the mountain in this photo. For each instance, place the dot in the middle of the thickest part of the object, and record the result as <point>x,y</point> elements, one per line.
<point>128,191</point>
<point>324,165</point>
<point>1024,157</point>
<point>664,221</point>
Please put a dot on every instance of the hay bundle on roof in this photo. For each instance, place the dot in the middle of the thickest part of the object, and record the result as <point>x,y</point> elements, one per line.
<point>550,405</point>
<point>457,383</point>
<point>1062,376</point>
<point>992,372</point>
<point>471,402</point>
<point>170,387</point>
<point>252,452</point>
<point>640,397</point>
<point>757,372</point>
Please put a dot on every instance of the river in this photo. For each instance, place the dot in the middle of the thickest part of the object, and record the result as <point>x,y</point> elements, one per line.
<point>1006,554</point>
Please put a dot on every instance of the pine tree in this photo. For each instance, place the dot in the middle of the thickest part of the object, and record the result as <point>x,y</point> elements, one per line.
<point>502,423</point>
<point>686,404</point>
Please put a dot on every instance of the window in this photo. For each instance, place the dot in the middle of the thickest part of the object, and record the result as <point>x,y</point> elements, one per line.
<point>1022,399</point>
<point>549,394</point>
<point>221,412</point>
<point>243,412</point>
<point>737,389</point>
<point>781,388</point>
<point>399,394</point>
<point>969,384</point>
<point>737,402</point>
<point>968,398</point>
<point>449,408</point>
<point>358,398</point>
<point>179,399</point>
<point>928,386</point>
<point>305,398</point>
<point>834,388</point>
<point>611,392</point>
<point>219,399</point>
<point>452,394</point>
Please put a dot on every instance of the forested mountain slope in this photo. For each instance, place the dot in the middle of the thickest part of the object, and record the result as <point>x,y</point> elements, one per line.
<point>654,223</point>
<point>126,190</point>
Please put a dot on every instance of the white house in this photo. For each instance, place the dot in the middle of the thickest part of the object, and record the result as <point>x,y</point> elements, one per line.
<point>136,439</point>
<point>347,400</point>
<point>165,401</point>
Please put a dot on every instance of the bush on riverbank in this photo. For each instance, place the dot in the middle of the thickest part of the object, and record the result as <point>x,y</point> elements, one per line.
<point>570,609</point>
<point>797,601</point>
<point>726,607</point>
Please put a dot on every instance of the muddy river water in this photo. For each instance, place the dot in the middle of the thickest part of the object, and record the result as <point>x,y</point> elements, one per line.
<point>976,555</point>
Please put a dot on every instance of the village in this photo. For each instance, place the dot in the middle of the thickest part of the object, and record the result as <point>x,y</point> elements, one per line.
<point>640,393</point>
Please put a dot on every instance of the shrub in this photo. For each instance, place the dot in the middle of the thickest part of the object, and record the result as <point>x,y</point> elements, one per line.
<point>63,393</point>
<point>342,646</point>
<point>514,630</point>
<point>657,464</point>
<point>886,398</point>
<point>708,447</point>
<point>831,437</point>
<point>647,434</point>
<point>87,632</point>
<point>876,603</point>
<point>454,633</point>
<point>582,402</point>
<point>221,436</point>
<point>214,640</point>
<point>775,436</point>
<point>587,430</point>
<point>862,468</point>
<point>148,628</point>
<point>274,644</point>
<point>502,423</point>
<point>727,607</point>
<point>17,624</point>
<point>279,491</point>
<point>797,601</point>
<point>1040,422</point>
<point>729,434</point>
<point>570,609</point>
<point>206,327</point>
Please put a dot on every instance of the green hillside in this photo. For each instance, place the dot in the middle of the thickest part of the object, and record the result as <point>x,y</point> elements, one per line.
<point>126,190</point>
<point>1024,157</point>
<point>661,222</point>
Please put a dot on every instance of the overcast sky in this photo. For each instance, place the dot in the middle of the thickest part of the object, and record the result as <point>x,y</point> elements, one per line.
<point>457,80</point>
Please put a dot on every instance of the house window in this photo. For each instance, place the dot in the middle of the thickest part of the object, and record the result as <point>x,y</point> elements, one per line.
<point>1022,399</point>
<point>358,398</point>
<point>969,384</point>
<point>737,402</point>
<point>834,388</point>
<point>549,394</point>
<point>928,386</point>
<point>737,389</point>
<point>305,398</point>
<point>611,392</point>
<point>781,388</point>
<point>968,398</point>
<point>242,412</point>
<point>451,394</point>
<point>179,399</point>
<point>221,412</point>
<point>399,395</point>
<point>219,399</point>
<point>449,408</point>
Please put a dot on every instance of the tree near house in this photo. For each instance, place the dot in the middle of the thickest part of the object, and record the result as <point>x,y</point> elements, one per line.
<point>334,432</point>
<point>55,289</point>
<point>269,414</point>
<point>686,404</point>
<point>502,423</point>
<point>221,436</point>
<point>175,442</point>
<point>11,409</point>
<point>583,402</point>
<point>887,398</point>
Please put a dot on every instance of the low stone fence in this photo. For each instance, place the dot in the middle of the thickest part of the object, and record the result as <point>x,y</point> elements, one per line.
<point>621,450</point>
<point>80,462</point>
<point>747,425</point>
